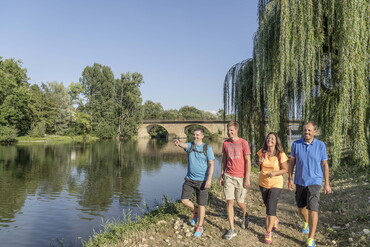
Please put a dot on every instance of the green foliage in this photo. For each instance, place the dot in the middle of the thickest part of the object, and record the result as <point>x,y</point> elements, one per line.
<point>14,96</point>
<point>38,130</point>
<point>8,134</point>
<point>129,104</point>
<point>98,85</point>
<point>152,110</point>
<point>311,62</point>
<point>158,132</point>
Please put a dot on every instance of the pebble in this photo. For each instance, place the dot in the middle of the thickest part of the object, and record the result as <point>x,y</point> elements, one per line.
<point>366,231</point>
<point>350,240</point>
<point>161,222</point>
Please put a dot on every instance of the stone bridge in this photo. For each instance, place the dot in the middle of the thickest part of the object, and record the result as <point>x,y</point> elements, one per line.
<point>177,128</point>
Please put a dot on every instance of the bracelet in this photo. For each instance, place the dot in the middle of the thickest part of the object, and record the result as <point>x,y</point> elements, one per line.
<point>290,178</point>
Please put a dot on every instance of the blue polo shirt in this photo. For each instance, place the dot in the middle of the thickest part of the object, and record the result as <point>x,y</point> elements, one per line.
<point>197,162</point>
<point>308,158</point>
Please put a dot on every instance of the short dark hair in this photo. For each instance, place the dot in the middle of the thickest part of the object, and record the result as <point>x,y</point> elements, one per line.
<point>199,129</point>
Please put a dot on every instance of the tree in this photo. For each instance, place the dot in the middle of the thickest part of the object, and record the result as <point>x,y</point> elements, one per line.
<point>190,113</point>
<point>152,110</point>
<point>14,96</point>
<point>99,89</point>
<point>129,109</point>
<point>311,62</point>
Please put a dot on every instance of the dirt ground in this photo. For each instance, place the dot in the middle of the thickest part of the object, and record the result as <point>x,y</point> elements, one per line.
<point>177,231</point>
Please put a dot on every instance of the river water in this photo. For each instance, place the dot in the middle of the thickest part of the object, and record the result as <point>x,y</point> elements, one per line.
<point>59,194</point>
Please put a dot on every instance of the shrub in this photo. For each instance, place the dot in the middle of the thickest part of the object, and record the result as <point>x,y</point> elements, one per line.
<point>8,133</point>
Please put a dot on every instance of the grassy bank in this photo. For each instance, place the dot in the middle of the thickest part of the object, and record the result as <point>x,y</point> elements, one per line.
<point>344,218</point>
<point>56,138</point>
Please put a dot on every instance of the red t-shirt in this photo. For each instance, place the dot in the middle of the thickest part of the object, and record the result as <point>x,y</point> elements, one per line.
<point>235,151</point>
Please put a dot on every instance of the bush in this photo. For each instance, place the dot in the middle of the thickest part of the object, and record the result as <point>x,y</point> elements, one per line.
<point>8,133</point>
<point>38,130</point>
<point>105,131</point>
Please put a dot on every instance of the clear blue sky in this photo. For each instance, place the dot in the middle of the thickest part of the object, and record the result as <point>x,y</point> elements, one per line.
<point>182,48</point>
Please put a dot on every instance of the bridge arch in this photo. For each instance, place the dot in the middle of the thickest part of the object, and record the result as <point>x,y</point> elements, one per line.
<point>176,128</point>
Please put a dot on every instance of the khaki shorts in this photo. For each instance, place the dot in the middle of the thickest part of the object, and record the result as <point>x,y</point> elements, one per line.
<point>233,188</point>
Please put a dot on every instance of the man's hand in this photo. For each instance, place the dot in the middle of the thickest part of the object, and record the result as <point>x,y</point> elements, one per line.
<point>327,189</point>
<point>176,142</point>
<point>208,184</point>
<point>246,183</point>
<point>290,185</point>
<point>221,181</point>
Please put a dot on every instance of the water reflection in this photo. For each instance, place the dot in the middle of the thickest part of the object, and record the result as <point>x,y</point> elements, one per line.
<point>62,190</point>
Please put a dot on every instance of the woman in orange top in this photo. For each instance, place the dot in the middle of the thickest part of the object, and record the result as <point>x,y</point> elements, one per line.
<point>273,164</point>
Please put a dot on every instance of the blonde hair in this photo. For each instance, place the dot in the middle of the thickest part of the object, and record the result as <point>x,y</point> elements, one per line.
<point>233,123</point>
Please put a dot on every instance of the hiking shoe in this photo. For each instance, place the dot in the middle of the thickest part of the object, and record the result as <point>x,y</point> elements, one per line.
<point>194,220</point>
<point>230,234</point>
<point>268,239</point>
<point>245,222</point>
<point>198,233</point>
<point>305,228</point>
<point>310,243</point>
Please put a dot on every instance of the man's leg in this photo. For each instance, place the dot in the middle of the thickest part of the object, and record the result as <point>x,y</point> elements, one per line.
<point>243,207</point>
<point>230,213</point>
<point>313,218</point>
<point>304,213</point>
<point>201,214</point>
<point>189,204</point>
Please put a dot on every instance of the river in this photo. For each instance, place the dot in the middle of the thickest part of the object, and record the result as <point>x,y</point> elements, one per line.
<point>59,194</point>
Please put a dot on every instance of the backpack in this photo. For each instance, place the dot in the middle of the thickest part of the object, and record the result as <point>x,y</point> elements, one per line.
<point>192,148</point>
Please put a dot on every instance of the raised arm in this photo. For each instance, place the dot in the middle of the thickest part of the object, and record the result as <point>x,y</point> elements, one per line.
<point>180,144</point>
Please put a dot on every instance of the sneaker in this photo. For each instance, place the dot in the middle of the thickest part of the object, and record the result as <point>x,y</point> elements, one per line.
<point>230,234</point>
<point>245,222</point>
<point>194,220</point>
<point>310,243</point>
<point>305,228</point>
<point>198,233</point>
<point>268,239</point>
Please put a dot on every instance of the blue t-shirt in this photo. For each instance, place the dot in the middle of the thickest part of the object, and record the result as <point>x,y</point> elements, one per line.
<point>308,158</point>
<point>197,162</point>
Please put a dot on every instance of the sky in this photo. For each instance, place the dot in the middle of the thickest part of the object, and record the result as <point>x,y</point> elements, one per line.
<point>183,49</point>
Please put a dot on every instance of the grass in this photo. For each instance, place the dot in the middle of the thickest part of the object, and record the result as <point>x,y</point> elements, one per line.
<point>56,138</point>
<point>133,225</point>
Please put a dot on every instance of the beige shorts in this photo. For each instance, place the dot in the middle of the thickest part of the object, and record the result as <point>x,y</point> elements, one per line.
<point>233,188</point>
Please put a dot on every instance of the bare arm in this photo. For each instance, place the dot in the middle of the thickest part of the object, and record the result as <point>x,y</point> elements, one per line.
<point>247,159</point>
<point>290,173</point>
<point>180,144</point>
<point>325,168</point>
<point>211,167</point>
<point>223,168</point>
<point>283,170</point>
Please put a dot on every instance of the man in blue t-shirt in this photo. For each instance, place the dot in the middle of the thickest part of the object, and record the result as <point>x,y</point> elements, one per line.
<point>311,160</point>
<point>198,178</point>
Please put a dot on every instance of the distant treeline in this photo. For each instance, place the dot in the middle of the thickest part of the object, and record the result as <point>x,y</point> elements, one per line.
<point>99,104</point>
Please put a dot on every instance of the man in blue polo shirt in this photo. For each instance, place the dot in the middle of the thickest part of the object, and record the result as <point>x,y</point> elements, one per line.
<point>198,178</point>
<point>311,160</point>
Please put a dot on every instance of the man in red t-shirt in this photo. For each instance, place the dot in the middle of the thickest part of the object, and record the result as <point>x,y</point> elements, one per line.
<point>235,175</point>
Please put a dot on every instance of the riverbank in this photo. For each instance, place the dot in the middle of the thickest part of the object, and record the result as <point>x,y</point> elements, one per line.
<point>56,138</point>
<point>344,218</point>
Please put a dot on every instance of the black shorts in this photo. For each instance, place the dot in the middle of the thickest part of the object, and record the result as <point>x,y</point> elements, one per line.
<point>308,196</point>
<point>190,185</point>
<point>270,199</point>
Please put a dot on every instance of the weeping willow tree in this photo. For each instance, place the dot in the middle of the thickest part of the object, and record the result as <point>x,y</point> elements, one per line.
<point>310,62</point>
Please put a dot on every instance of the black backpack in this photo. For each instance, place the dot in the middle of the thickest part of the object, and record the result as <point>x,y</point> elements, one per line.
<point>192,148</point>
